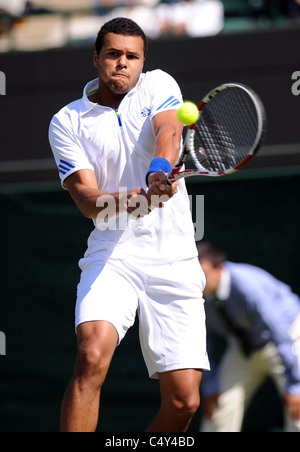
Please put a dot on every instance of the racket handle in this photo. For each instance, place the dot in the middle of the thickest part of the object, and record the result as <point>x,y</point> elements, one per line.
<point>174,172</point>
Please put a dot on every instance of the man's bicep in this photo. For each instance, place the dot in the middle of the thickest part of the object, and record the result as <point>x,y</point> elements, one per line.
<point>80,184</point>
<point>84,191</point>
<point>81,179</point>
<point>167,119</point>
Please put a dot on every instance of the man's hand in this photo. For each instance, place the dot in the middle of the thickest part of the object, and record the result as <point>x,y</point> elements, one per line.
<point>137,203</point>
<point>292,401</point>
<point>159,190</point>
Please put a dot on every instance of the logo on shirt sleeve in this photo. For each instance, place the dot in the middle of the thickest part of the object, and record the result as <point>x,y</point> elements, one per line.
<point>65,167</point>
<point>146,112</point>
<point>171,102</point>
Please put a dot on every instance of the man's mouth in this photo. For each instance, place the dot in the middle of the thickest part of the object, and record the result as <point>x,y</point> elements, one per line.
<point>120,74</point>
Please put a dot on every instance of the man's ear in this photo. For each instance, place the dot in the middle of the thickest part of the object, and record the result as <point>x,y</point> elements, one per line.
<point>96,59</point>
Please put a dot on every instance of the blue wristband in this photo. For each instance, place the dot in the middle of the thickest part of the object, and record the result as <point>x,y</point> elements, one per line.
<point>159,164</point>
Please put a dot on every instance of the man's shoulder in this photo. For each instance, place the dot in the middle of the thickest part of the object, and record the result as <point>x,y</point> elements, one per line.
<point>156,75</point>
<point>159,82</point>
<point>73,107</point>
<point>68,113</point>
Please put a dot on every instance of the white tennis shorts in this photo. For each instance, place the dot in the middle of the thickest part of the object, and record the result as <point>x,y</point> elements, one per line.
<point>167,298</point>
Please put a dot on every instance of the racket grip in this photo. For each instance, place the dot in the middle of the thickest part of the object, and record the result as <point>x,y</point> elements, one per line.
<point>172,176</point>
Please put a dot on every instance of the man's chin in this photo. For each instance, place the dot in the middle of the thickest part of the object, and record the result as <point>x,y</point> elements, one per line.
<point>120,87</point>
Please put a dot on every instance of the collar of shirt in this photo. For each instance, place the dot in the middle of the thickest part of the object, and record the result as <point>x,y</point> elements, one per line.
<point>93,86</point>
<point>223,291</point>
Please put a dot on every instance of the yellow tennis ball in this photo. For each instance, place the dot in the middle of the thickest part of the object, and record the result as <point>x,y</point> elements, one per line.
<point>188,113</point>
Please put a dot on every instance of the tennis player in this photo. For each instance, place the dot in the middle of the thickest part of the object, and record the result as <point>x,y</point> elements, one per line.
<point>260,317</point>
<point>114,148</point>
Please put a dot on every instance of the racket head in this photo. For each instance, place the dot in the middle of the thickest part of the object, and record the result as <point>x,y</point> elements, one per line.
<point>229,132</point>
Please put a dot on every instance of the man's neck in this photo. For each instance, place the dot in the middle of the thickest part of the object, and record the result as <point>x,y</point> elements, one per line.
<point>108,100</point>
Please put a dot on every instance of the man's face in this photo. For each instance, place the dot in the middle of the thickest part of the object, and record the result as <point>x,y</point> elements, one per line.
<point>120,63</point>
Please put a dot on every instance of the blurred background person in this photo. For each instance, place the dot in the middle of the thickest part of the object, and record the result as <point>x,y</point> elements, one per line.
<point>260,317</point>
<point>193,18</point>
<point>142,12</point>
<point>9,9</point>
<point>13,7</point>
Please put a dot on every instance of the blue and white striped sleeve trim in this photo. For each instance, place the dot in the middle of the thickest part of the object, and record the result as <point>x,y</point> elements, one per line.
<point>65,167</point>
<point>169,103</point>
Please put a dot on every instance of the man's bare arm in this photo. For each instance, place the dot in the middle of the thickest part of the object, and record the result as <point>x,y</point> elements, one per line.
<point>84,190</point>
<point>168,131</point>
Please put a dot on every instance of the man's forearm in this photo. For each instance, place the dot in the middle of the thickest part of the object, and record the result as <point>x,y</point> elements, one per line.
<point>167,145</point>
<point>92,202</point>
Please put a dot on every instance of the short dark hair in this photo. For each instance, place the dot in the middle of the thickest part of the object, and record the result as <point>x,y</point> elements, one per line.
<point>211,252</point>
<point>120,26</point>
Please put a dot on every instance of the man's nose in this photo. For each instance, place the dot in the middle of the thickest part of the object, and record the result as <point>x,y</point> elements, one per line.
<point>122,62</point>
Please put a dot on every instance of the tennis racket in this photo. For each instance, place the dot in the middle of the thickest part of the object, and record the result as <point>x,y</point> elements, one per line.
<point>229,132</point>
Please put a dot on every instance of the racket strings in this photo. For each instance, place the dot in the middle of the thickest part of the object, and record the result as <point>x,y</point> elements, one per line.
<point>221,153</point>
<point>226,131</point>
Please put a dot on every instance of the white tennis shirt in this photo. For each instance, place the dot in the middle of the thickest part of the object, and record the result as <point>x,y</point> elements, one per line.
<point>118,146</point>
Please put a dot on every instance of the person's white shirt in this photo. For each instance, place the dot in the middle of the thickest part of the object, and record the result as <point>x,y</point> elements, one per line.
<point>14,7</point>
<point>198,18</point>
<point>118,146</point>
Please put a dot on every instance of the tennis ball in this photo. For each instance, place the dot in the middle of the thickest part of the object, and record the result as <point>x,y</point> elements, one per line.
<point>188,113</point>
